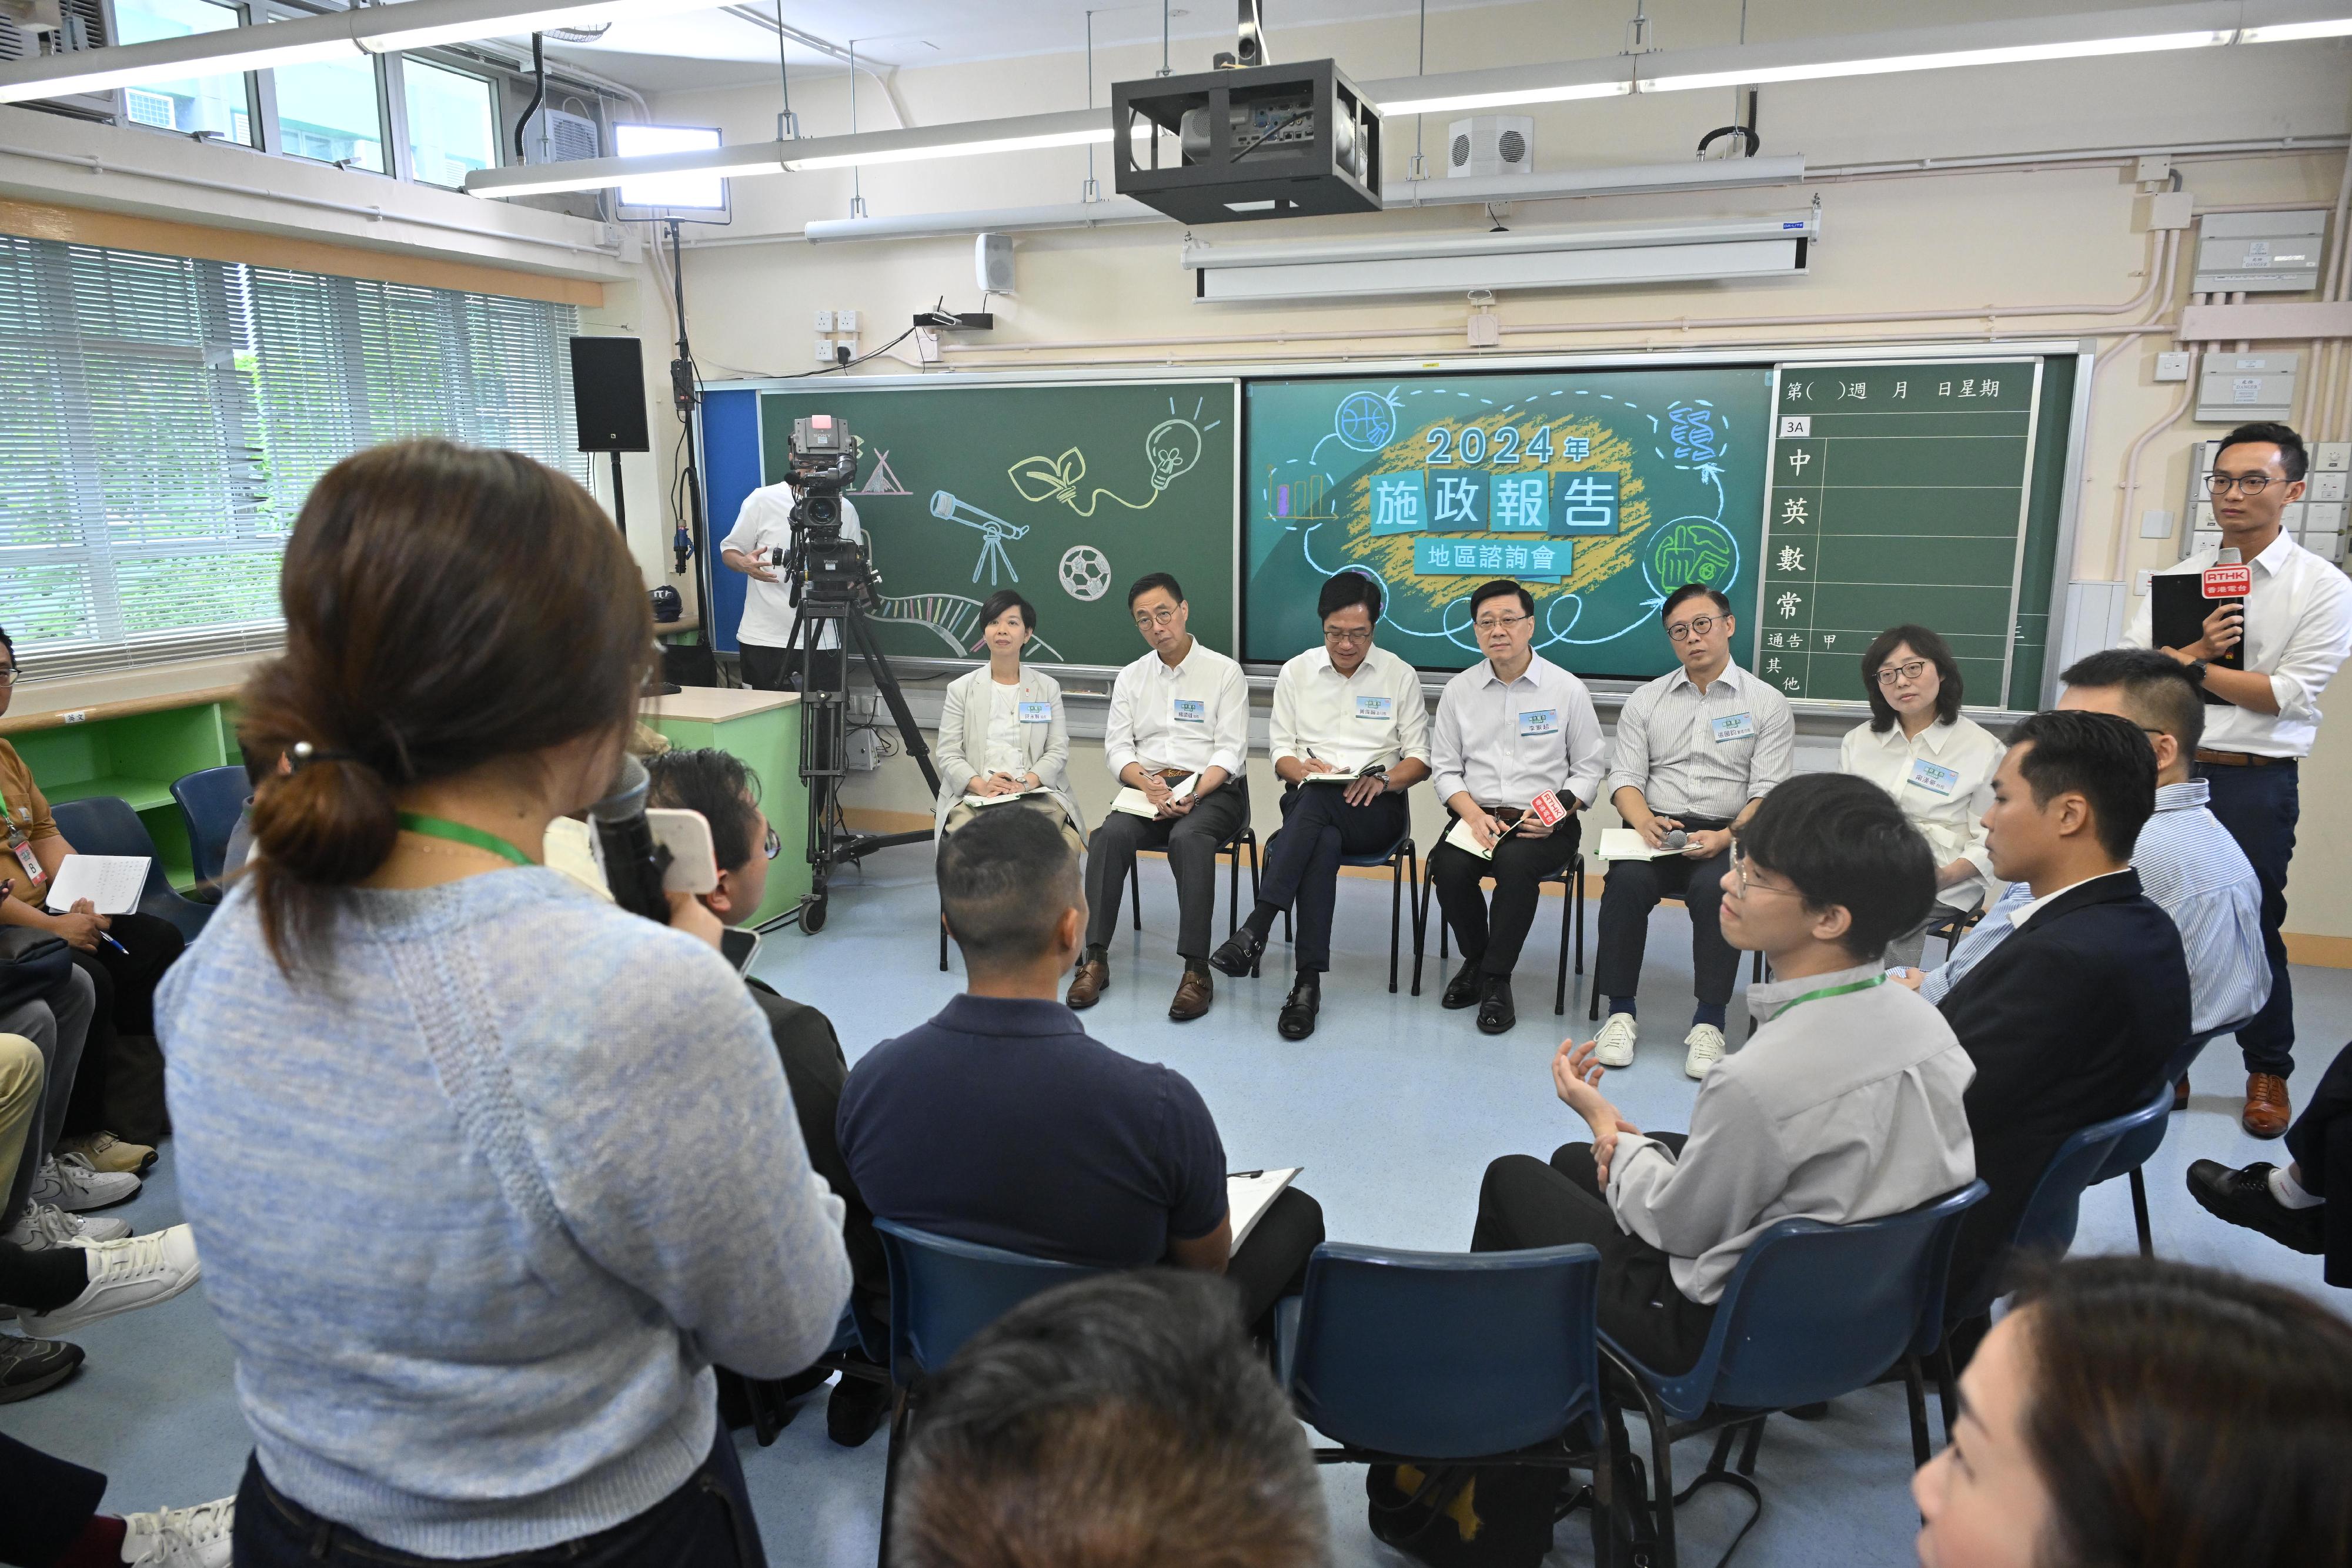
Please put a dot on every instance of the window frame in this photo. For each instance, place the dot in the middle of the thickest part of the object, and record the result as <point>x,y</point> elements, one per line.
<point>266,88</point>
<point>260,123</point>
<point>396,102</point>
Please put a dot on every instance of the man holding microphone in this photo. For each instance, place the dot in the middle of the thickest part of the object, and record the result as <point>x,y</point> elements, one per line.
<point>2295,627</point>
<point>1696,749</point>
<point>1512,732</point>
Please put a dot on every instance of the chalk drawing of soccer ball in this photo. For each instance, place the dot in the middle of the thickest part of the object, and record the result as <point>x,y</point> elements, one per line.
<point>1085,575</point>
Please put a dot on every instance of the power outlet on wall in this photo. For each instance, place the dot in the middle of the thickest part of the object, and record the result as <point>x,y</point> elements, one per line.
<point>824,350</point>
<point>825,320</point>
<point>844,320</point>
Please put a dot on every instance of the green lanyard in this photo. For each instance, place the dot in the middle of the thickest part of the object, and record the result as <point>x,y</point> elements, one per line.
<point>1850,986</point>
<point>458,833</point>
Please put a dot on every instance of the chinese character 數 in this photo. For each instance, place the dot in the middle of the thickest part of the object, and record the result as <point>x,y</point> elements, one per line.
<point>1791,559</point>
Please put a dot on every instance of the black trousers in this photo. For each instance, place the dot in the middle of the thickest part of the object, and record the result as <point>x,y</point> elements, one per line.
<point>1634,888</point>
<point>1526,1202</point>
<point>2325,1129</point>
<point>1518,868</point>
<point>1272,1263</point>
<point>2260,806</point>
<point>44,1505</point>
<point>706,1524</point>
<point>1191,841</point>
<point>1302,860</point>
<point>767,669</point>
<point>40,1283</point>
<point>126,1006</point>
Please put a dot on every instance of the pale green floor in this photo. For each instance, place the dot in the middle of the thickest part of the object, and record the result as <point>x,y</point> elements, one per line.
<point>1394,1107</point>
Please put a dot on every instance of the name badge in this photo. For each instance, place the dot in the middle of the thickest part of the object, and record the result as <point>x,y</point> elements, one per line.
<point>1932,779</point>
<point>1534,722</point>
<point>1036,713</point>
<point>1191,710</point>
<point>1733,727</point>
<point>26,858</point>
<point>1380,709</point>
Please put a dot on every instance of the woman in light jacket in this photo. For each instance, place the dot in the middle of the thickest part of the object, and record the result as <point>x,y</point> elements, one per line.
<point>1936,761</point>
<point>1002,731</point>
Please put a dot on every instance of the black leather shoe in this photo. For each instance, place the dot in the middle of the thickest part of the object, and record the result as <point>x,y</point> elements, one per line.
<point>30,1366</point>
<point>1496,1013</point>
<point>855,1410</point>
<point>1462,990</point>
<point>1298,1019</point>
<point>1238,954</point>
<point>2244,1197</point>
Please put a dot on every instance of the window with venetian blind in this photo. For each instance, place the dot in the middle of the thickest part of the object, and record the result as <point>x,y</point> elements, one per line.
<point>162,420</point>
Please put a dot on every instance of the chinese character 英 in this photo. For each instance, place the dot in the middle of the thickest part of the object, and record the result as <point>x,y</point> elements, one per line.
<point>1791,559</point>
<point>1794,512</point>
<point>1788,604</point>
<point>1457,499</point>
<point>1796,461</point>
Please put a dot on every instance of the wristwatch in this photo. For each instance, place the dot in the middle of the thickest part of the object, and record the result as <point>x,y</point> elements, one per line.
<point>2195,669</point>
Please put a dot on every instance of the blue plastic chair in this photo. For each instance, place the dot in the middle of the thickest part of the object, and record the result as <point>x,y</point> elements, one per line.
<point>1811,1311</point>
<point>2136,1147</point>
<point>210,801</point>
<point>2055,1208</point>
<point>943,1291</point>
<point>1402,860</point>
<point>106,825</point>
<point>1570,878</point>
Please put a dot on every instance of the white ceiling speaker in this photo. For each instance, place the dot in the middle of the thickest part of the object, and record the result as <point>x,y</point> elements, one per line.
<point>992,261</point>
<point>1486,145</point>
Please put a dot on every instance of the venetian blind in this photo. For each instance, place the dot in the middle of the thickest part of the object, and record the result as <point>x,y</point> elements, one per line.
<point>162,420</point>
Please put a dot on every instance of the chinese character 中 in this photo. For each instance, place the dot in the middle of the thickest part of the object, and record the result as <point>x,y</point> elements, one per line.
<point>1457,499</point>
<point>1791,559</point>
<point>1794,512</point>
<point>1788,604</point>
<point>1796,461</point>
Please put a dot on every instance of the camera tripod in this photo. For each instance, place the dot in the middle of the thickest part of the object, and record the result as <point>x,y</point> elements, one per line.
<point>825,738</point>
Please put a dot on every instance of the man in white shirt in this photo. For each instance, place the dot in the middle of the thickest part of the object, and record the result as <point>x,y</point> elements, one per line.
<point>1510,727</point>
<point>1696,749</point>
<point>2297,628</point>
<point>1180,711</point>
<point>1349,736</point>
<point>763,638</point>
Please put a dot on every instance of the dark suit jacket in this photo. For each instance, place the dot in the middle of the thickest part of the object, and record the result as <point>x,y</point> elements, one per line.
<point>2069,1022</point>
<point>814,1069</point>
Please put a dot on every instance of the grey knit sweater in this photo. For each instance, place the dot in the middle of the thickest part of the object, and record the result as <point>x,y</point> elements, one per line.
<point>479,1211</point>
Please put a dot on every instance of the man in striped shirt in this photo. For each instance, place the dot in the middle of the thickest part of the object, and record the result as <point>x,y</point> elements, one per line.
<point>2187,861</point>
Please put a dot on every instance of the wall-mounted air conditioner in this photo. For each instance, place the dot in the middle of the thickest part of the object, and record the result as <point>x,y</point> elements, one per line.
<point>67,26</point>
<point>1599,256</point>
<point>557,137</point>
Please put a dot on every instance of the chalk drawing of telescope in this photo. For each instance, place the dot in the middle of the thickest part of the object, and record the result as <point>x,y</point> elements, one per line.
<point>993,554</point>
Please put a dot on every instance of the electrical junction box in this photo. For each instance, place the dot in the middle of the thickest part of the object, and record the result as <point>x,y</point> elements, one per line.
<point>2324,486</point>
<point>2235,388</point>
<point>2259,253</point>
<point>1490,144</point>
<point>861,750</point>
<point>2171,209</point>
<point>2172,365</point>
<point>2154,524</point>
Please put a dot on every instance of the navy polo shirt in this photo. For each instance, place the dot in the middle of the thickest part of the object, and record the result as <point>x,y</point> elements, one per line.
<point>1001,1122</point>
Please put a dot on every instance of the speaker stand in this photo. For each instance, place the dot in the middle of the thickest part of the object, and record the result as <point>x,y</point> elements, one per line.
<point>620,508</point>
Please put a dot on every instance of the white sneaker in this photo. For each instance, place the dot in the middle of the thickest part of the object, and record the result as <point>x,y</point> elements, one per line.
<point>1613,1046</point>
<point>124,1276</point>
<point>45,1225</point>
<point>1706,1043</point>
<point>76,1185</point>
<point>180,1537</point>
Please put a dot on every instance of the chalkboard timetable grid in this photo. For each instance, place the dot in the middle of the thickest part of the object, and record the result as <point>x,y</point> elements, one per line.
<point>1899,493</point>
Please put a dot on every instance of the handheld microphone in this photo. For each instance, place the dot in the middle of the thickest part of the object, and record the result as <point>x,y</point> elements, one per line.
<point>2229,556</point>
<point>1676,837</point>
<point>634,863</point>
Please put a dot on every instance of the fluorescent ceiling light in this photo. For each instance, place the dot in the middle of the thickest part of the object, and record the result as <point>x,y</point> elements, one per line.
<point>987,220</point>
<point>1449,104</point>
<point>1561,82</point>
<point>339,35</point>
<point>918,154</point>
<point>2288,32</point>
<point>606,174</point>
<point>2015,53</point>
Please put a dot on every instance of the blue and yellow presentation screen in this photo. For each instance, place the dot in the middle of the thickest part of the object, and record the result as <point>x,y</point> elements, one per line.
<point>1602,491</point>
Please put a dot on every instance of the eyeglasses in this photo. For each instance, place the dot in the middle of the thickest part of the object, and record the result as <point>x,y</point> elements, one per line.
<point>1696,627</point>
<point>1889,674</point>
<point>1156,617</point>
<point>1486,624</point>
<point>8,676</point>
<point>771,846</point>
<point>2251,483</point>
<point>1741,883</point>
<point>1330,636</point>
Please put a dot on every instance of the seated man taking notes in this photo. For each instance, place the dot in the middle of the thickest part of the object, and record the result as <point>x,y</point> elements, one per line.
<point>999,1122</point>
<point>1350,736</point>
<point>1177,737</point>
<point>1696,749</point>
<point>1844,1106</point>
<point>1509,730</point>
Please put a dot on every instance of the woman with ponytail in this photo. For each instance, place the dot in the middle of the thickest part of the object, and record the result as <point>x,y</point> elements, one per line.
<point>485,1171</point>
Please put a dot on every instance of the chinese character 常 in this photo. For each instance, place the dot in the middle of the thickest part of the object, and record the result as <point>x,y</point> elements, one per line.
<point>1788,603</point>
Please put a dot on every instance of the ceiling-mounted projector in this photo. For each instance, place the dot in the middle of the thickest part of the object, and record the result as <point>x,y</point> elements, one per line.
<point>1265,142</point>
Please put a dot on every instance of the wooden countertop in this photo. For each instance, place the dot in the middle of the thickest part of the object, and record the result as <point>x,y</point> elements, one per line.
<point>712,704</point>
<point>47,718</point>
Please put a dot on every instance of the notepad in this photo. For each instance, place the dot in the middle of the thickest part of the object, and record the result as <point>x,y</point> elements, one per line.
<point>1346,769</point>
<point>1136,804</point>
<point>1460,836</point>
<point>570,847</point>
<point>1626,844</point>
<point>110,883</point>
<point>1001,800</point>
<point>1249,1194</point>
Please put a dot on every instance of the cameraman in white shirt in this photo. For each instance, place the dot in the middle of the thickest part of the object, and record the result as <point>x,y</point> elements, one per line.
<point>763,526</point>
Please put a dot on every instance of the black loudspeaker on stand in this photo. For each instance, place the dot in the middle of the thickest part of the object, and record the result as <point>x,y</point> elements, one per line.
<point>608,404</point>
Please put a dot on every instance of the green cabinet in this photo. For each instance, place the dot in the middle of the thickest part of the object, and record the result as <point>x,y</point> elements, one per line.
<point>763,728</point>
<point>133,751</point>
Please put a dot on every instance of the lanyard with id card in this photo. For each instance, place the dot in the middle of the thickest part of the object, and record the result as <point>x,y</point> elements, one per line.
<point>22,847</point>
<point>1933,778</point>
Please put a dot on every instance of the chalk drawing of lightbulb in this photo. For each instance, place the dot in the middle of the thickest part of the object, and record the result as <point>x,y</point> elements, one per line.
<point>1173,446</point>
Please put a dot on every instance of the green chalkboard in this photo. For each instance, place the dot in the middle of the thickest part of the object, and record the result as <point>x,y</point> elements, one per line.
<point>1903,493</point>
<point>1600,490</point>
<point>1068,493</point>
